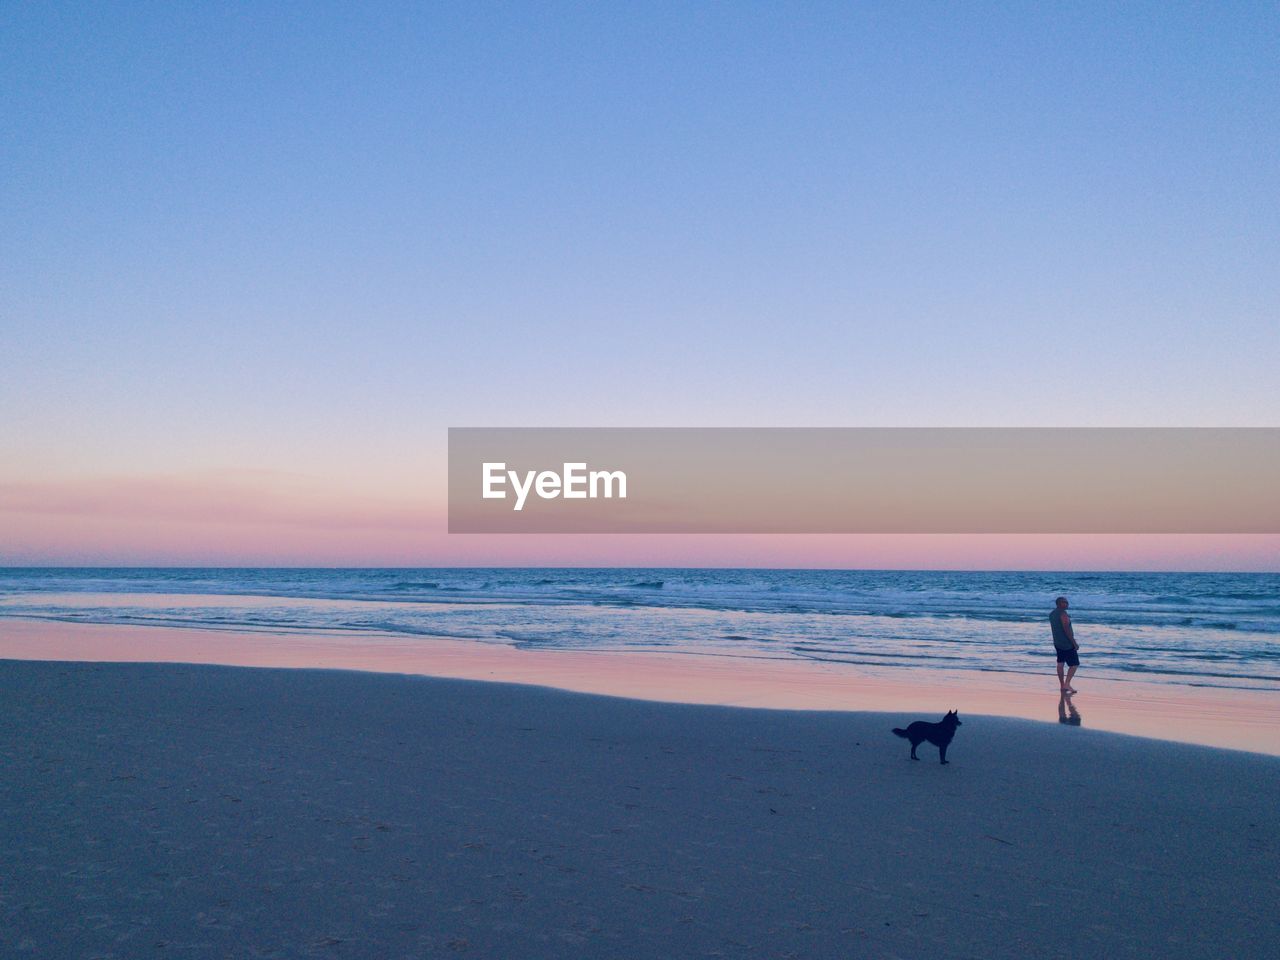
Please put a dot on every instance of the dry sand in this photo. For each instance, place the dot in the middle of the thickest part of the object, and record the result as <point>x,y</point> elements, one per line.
<point>199,811</point>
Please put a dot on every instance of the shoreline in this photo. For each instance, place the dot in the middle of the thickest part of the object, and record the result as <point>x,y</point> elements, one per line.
<point>210,811</point>
<point>1214,717</point>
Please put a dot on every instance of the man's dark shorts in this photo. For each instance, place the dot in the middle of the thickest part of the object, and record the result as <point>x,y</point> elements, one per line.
<point>1069,657</point>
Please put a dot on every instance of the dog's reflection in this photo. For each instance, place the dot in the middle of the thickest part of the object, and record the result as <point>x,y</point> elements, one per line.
<point>1067,712</point>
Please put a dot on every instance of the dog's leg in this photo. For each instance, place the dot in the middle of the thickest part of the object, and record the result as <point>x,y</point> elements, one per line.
<point>942,753</point>
<point>913,750</point>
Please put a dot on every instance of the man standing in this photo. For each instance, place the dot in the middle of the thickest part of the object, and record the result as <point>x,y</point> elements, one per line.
<point>1064,642</point>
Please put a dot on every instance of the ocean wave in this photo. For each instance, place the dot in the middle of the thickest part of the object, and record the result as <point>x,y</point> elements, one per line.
<point>1178,628</point>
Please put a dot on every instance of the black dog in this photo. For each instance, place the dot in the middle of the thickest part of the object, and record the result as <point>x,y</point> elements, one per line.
<point>939,734</point>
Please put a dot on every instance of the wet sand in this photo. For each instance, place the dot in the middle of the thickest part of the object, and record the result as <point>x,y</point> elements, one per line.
<point>1236,719</point>
<point>196,811</point>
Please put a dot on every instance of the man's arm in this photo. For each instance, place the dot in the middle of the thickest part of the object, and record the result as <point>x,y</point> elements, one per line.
<point>1071,634</point>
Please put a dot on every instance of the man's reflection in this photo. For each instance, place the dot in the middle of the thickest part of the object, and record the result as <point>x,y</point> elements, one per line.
<point>1067,712</point>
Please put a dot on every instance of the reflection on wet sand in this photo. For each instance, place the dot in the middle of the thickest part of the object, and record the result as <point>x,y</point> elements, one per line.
<point>1242,719</point>
<point>1067,712</point>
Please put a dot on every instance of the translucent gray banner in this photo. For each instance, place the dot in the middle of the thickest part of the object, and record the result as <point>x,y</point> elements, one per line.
<point>864,480</point>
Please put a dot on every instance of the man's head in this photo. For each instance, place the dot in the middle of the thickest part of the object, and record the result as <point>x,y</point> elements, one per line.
<point>1062,603</point>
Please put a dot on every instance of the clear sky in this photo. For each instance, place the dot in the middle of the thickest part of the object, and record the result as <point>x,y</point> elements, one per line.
<point>255,258</point>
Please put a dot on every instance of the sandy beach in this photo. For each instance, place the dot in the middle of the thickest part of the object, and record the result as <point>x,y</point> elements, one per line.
<point>200,811</point>
<point>1211,716</point>
<point>489,481</point>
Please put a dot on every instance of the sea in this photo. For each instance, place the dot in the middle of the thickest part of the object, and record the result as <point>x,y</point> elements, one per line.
<point>1198,629</point>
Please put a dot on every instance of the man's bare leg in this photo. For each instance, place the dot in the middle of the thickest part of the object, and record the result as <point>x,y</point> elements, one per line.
<point>1062,684</point>
<point>1070,673</point>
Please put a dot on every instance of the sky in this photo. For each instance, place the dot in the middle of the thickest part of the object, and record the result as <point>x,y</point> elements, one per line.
<point>255,259</point>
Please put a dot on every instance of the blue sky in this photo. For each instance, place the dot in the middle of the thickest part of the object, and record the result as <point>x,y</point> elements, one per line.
<point>309,237</point>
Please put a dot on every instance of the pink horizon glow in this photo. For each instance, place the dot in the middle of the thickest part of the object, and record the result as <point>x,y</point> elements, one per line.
<point>271,519</point>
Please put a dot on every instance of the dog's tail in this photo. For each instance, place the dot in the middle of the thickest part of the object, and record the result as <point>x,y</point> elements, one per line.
<point>899,732</point>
